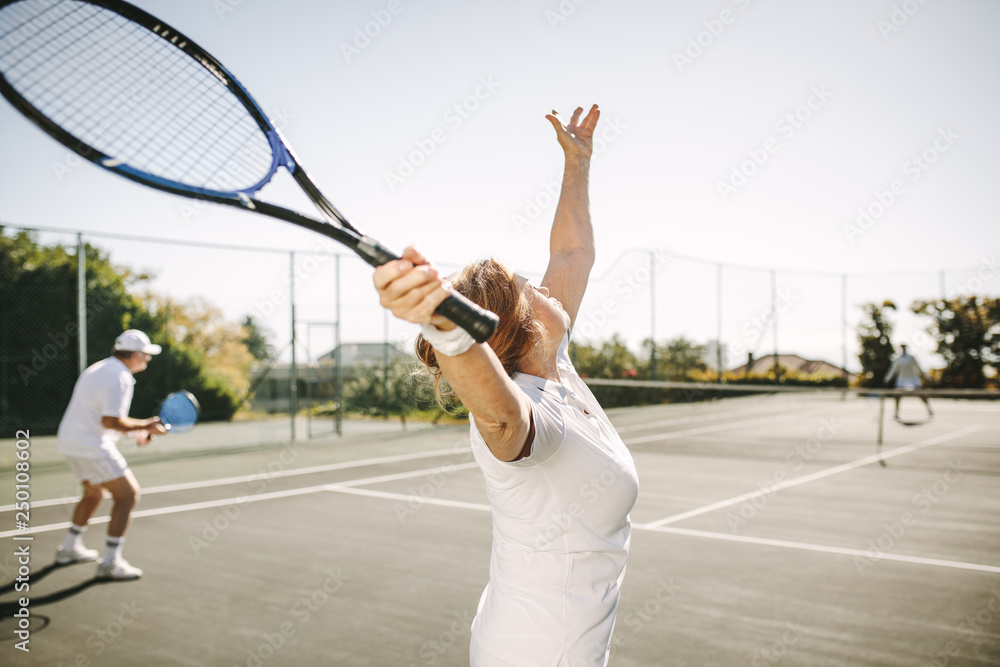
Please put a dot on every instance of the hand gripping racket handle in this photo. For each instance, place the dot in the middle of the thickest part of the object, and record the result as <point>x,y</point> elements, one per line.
<point>479,322</point>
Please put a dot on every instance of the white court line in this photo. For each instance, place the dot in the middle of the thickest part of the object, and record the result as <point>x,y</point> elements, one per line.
<point>812,477</point>
<point>706,416</point>
<point>787,544</point>
<point>243,500</point>
<point>346,487</point>
<point>186,486</point>
<point>411,499</point>
<point>716,427</point>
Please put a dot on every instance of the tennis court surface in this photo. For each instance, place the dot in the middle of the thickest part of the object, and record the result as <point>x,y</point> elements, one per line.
<point>769,530</point>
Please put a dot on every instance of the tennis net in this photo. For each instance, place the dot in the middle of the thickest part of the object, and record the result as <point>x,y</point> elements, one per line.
<point>932,428</point>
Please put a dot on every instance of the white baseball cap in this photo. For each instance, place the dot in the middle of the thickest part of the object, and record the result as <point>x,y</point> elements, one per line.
<point>134,340</point>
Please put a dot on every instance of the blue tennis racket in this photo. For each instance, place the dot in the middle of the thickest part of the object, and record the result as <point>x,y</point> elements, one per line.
<point>179,412</point>
<point>132,95</point>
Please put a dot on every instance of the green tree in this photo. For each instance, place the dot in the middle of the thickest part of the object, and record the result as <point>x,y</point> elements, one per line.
<point>257,339</point>
<point>400,391</point>
<point>677,360</point>
<point>39,358</point>
<point>967,331</point>
<point>612,360</point>
<point>875,338</point>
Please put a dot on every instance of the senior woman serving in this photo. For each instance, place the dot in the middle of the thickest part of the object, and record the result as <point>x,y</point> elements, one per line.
<point>560,481</point>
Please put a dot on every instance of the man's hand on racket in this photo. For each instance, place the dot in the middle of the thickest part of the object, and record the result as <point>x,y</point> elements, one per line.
<point>411,288</point>
<point>577,138</point>
<point>144,435</point>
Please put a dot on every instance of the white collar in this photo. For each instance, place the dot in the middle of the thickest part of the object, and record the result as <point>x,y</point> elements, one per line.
<point>547,386</point>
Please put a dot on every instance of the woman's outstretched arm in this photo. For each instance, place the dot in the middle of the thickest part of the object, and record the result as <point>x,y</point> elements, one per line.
<point>571,243</point>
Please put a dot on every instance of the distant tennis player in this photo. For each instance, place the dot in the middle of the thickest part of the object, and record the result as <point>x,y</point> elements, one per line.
<point>88,434</point>
<point>908,376</point>
<point>560,481</point>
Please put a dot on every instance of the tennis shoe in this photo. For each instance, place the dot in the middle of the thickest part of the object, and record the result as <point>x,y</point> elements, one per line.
<point>118,570</point>
<point>78,554</point>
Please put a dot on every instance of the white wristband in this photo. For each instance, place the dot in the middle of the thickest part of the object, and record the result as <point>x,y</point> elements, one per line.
<point>449,343</point>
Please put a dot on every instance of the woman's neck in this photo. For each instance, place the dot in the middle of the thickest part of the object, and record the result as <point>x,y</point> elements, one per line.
<point>542,363</point>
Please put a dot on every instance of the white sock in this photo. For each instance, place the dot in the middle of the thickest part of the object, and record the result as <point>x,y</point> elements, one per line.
<point>74,538</point>
<point>114,549</point>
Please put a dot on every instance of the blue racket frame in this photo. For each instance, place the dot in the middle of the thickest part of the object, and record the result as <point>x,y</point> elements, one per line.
<point>479,322</point>
<point>180,412</point>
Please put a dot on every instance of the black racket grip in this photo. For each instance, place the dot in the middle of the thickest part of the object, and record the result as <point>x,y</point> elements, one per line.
<point>479,322</point>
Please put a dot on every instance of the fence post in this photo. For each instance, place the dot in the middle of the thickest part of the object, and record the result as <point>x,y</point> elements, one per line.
<point>843,323</point>
<point>293,381</point>
<point>774,320</point>
<point>718,323</point>
<point>81,302</point>
<point>336,347</point>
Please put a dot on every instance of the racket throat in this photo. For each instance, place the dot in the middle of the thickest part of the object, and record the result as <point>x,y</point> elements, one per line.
<point>374,252</point>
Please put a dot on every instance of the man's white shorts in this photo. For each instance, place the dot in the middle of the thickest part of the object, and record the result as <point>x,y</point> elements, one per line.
<point>909,383</point>
<point>108,465</point>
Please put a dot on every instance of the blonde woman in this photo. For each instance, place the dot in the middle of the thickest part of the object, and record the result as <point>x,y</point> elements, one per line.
<point>560,481</point>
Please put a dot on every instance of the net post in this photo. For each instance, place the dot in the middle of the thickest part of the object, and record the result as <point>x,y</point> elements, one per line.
<point>881,417</point>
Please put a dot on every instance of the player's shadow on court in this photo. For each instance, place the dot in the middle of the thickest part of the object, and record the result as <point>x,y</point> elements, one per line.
<point>8,609</point>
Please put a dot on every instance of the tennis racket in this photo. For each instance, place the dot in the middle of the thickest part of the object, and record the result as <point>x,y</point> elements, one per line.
<point>179,412</point>
<point>135,96</point>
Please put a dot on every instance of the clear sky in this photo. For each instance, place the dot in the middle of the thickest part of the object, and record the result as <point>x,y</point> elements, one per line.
<point>741,132</point>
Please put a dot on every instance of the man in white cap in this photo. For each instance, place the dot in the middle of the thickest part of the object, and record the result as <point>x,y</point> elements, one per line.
<point>95,419</point>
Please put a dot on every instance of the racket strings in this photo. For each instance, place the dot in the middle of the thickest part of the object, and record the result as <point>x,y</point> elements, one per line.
<point>179,412</point>
<point>130,94</point>
<point>92,121</point>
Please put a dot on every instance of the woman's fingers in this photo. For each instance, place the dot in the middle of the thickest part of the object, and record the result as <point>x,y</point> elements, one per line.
<point>410,287</point>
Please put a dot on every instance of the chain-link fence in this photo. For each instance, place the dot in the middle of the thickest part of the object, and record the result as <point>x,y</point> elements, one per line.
<point>321,315</point>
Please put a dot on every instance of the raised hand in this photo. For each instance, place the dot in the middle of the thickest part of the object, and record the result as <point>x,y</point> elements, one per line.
<point>577,138</point>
